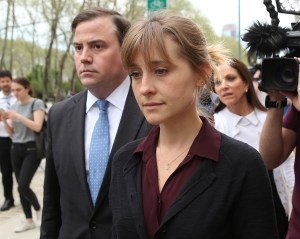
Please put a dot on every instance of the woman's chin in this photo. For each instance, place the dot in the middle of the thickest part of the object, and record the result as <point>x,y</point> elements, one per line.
<point>152,120</point>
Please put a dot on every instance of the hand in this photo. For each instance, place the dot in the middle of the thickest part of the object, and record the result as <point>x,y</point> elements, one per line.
<point>1,113</point>
<point>294,97</point>
<point>10,114</point>
<point>276,95</point>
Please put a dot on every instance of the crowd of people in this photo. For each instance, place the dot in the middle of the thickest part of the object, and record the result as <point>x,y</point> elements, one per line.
<point>20,121</point>
<point>137,154</point>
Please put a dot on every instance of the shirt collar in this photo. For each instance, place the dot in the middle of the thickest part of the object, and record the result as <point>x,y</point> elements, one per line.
<point>253,118</point>
<point>206,144</point>
<point>236,119</point>
<point>116,98</point>
<point>5,96</point>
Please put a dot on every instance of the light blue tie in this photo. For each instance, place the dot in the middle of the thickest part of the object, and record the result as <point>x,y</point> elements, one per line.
<point>99,150</point>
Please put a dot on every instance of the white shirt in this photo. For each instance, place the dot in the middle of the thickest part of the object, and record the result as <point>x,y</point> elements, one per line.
<point>248,129</point>
<point>115,109</point>
<point>244,128</point>
<point>5,103</point>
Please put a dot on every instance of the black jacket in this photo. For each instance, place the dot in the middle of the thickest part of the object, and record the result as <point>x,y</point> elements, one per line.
<point>68,211</point>
<point>227,199</point>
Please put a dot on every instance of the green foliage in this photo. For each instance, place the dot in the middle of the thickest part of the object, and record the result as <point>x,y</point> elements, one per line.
<point>67,86</point>
<point>135,10</point>
<point>185,8</point>
<point>25,58</point>
<point>36,77</point>
<point>232,44</point>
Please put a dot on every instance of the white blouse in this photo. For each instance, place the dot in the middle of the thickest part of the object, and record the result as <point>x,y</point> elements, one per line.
<point>248,129</point>
<point>244,128</point>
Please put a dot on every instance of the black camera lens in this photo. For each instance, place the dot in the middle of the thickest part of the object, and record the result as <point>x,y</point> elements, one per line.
<point>280,74</point>
<point>287,74</point>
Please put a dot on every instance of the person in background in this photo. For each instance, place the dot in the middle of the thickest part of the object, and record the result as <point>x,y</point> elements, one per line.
<point>25,118</point>
<point>6,100</point>
<point>278,140</point>
<point>208,102</point>
<point>241,116</point>
<point>256,79</point>
<point>75,202</point>
<point>185,179</point>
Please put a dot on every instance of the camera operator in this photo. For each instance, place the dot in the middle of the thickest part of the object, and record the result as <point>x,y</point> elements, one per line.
<point>279,138</point>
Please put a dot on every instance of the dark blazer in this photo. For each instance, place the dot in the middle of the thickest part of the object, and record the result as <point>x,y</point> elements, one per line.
<point>228,199</point>
<point>68,211</point>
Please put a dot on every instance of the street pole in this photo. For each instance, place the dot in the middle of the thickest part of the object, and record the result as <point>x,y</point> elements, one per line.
<point>239,30</point>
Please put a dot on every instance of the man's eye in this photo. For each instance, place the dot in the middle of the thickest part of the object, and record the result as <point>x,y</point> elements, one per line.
<point>97,46</point>
<point>77,48</point>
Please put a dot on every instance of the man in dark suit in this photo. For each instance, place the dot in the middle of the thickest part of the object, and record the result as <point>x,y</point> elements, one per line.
<point>69,211</point>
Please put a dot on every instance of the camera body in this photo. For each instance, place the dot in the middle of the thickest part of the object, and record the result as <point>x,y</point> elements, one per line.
<point>271,40</point>
<point>280,74</point>
<point>293,39</point>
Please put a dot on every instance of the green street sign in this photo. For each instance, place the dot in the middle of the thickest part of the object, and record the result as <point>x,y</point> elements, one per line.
<point>154,5</point>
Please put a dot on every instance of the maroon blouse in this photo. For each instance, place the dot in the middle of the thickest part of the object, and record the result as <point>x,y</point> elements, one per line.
<point>156,204</point>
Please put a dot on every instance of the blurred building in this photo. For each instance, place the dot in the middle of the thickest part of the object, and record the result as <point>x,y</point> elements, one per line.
<point>229,30</point>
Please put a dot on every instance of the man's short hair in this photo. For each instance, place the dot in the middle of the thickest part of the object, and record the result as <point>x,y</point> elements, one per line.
<point>121,23</point>
<point>5,73</point>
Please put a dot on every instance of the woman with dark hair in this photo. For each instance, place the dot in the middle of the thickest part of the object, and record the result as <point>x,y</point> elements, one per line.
<point>241,116</point>
<point>25,118</point>
<point>249,97</point>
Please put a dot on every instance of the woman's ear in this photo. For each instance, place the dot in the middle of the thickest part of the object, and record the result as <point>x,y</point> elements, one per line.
<point>204,75</point>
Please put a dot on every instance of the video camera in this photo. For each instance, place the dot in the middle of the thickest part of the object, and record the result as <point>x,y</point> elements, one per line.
<point>279,74</point>
<point>267,42</point>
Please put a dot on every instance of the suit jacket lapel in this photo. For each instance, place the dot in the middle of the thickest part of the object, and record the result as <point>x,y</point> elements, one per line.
<point>196,185</point>
<point>76,128</point>
<point>130,124</point>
